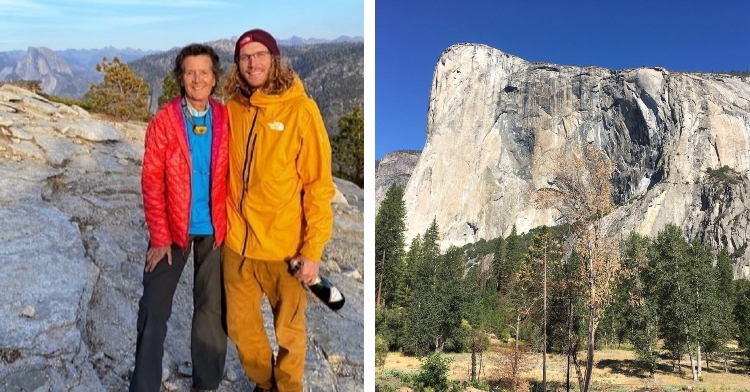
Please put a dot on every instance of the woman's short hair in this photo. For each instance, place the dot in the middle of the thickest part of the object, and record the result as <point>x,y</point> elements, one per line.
<point>196,50</point>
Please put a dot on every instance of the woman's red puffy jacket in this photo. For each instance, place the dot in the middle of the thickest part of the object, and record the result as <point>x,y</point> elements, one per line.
<point>165,181</point>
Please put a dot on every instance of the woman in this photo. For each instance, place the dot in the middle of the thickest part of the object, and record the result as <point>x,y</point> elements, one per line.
<point>184,185</point>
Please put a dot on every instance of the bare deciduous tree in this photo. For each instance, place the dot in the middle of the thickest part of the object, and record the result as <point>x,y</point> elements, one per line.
<point>581,193</point>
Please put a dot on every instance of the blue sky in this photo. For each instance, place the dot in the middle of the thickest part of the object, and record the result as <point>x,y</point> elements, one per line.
<point>163,24</point>
<point>411,35</point>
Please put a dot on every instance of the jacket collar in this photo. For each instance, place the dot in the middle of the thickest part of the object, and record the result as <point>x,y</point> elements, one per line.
<point>174,109</point>
<point>261,99</point>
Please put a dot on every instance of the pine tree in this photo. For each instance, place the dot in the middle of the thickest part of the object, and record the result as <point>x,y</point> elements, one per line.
<point>719,328</point>
<point>411,259</point>
<point>704,302</point>
<point>499,250</point>
<point>544,251</point>
<point>669,261</point>
<point>389,246</point>
<point>638,309</point>
<point>742,315</point>
<point>521,294</point>
<point>422,321</point>
<point>509,260</point>
<point>515,254</point>
<point>348,147</point>
<point>170,89</point>
<point>121,94</point>
<point>389,324</point>
<point>725,276</point>
<point>449,295</point>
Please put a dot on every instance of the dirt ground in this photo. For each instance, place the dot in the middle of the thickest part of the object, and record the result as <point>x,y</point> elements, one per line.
<point>614,370</point>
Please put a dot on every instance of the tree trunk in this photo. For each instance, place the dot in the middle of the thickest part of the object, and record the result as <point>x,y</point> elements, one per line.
<point>650,350</point>
<point>570,333</point>
<point>473,361</point>
<point>481,364</point>
<point>700,373</point>
<point>590,354</point>
<point>693,370</point>
<point>544,342</point>
<point>380,285</point>
<point>592,324</point>
<point>515,355</point>
<point>567,372</point>
<point>577,365</point>
<point>692,363</point>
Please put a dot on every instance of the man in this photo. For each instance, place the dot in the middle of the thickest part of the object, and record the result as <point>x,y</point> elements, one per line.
<point>278,208</point>
<point>184,192</point>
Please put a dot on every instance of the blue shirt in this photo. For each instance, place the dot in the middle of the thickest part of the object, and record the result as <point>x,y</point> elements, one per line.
<point>200,155</point>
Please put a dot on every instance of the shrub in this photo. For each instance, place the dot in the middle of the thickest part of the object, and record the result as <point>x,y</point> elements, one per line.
<point>725,175</point>
<point>384,388</point>
<point>381,351</point>
<point>434,372</point>
<point>480,385</point>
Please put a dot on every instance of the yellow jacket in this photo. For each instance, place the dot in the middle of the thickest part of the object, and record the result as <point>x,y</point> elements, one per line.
<point>280,184</point>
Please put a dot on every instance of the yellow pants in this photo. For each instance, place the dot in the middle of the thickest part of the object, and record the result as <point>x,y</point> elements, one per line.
<point>245,282</point>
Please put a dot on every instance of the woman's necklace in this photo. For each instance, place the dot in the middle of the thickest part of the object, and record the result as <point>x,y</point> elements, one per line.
<point>197,129</point>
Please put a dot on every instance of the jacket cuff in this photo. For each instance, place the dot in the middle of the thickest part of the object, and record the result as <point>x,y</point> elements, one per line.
<point>312,251</point>
<point>157,241</point>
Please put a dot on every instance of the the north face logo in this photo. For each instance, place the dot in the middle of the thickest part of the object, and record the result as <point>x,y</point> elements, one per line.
<point>276,126</point>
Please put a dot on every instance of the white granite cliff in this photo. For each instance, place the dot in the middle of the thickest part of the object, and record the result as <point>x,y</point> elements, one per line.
<point>495,121</point>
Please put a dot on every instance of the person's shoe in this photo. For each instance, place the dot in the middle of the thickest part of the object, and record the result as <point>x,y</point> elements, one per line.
<point>259,389</point>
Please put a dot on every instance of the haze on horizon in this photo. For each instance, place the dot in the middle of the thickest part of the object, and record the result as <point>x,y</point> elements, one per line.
<point>149,25</point>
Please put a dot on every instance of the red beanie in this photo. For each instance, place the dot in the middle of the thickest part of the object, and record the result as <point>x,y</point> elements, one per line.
<point>256,35</point>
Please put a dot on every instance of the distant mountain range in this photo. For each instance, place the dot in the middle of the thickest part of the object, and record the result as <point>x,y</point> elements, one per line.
<point>297,41</point>
<point>69,72</point>
<point>332,72</point>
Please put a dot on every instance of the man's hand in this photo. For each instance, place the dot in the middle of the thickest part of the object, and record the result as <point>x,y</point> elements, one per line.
<point>308,270</point>
<point>155,255</point>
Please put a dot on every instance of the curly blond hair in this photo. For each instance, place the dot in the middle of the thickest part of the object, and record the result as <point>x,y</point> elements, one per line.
<point>280,78</point>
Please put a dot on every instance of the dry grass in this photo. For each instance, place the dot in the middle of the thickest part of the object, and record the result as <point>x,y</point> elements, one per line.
<point>614,370</point>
